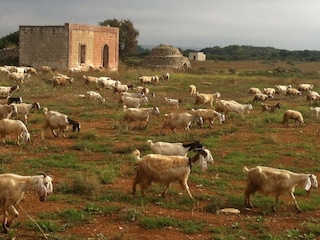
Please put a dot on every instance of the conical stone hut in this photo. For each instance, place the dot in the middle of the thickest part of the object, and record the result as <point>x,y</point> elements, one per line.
<point>165,56</point>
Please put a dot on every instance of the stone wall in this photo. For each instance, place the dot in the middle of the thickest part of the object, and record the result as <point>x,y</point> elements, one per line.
<point>44,45</point>
<point>9,56</point>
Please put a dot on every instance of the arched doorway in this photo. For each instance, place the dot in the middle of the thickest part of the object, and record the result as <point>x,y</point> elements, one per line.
<point>105,57</point>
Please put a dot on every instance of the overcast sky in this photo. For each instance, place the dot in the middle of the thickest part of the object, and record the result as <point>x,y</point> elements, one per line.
<point>283,24</point>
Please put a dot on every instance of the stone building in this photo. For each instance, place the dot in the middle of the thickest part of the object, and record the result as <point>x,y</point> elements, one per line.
<point>165,56</point>
<point>68,46</point>
<point>197,56</point>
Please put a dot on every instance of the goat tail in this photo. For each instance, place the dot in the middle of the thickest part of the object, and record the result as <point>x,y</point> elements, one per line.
<point>245,169</point>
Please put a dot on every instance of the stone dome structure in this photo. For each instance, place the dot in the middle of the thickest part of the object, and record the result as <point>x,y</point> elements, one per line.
<point>165,56</point>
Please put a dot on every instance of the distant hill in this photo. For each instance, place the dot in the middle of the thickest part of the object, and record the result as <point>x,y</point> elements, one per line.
<point>249,53</point>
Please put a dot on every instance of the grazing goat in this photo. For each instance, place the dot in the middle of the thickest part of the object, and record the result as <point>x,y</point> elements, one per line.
<point>269,91</point>
<point>315,110</point>
<point>62,80</point>
<point>210,115</point>
<point>131,94</point>
<point>254,90</point>
<point>55,120</point>
<point>120,88</point>
<point>6,111</point>
<point>276,182</point>
<point>173,149</point>
<point>180,120</point>
<point>5,92</point>
<point>45,69</point>
<point>19,77</point>
<point>24,109</point>
<point>12,188</point>
<point>192,90</point>
<point>292,114</point>
<point>146,79</point>
<point>260,97</point>
<point>14,100</point>
<point>95,96</point>
<point>139,114</point>
<point>225,107</point>
<point>281,89</point>
<point>173,102</point>
<point>312,97</point>
<point>107,83</point>
<point>164,170</point>
<point>305,87</point>
<point>14,127</point>
<point>134,102</point>
<point>204,98</point>
<point>269,107</point>
<point>293,92</point>
<point>90,80</point>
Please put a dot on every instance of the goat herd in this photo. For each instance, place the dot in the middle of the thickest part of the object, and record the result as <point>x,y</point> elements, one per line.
<point>168,162</point>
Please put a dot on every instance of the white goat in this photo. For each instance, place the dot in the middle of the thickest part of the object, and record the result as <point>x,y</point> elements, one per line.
<point>315,110</point>
<point>6,111</point>
<point>173,102</point>
<point>164,170</point>
<point>14,127</point>
<point>139,114</point>
<point>95,96</point>
<point>107,83</point>
<point>276,182</point>
<point>24,109</point>
<point>210,115</point>
<point>134,102</point>
<point>7,91</point>
<point>192,90</point>
<point>145,79</point>
<point>305,87</point>
<point>173,149</point>
<point>292,114</point>
<point>180,120</point>
<point>12,188</point>
<point>225,107</point>
<point>204,98</point>
<point>281,89</point>
<point>55,120</point>
<point>269,91</point>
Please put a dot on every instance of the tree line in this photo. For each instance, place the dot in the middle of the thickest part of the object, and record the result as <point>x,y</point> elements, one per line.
<point>251,53</point>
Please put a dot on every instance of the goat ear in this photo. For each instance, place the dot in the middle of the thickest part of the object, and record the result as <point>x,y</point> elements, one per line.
<point>308,183</point>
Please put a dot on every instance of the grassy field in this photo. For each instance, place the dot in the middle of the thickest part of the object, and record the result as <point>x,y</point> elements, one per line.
<point>93,169</point>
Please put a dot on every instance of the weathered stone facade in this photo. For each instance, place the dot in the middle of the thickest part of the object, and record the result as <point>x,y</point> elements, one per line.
<point>9,56</point>
<point>165,56</point>
<point>68,46</point>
